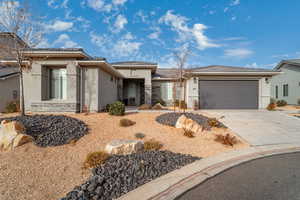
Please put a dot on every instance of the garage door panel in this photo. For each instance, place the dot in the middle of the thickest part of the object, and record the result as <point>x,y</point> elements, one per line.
<point>228,94</point>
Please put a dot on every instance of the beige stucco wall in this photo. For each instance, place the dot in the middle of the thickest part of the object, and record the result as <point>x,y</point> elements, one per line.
<point>108,90</point>
<point>290,76</point>
<point>7,87</point>
<point>263,96</point>
<point>140,74</point>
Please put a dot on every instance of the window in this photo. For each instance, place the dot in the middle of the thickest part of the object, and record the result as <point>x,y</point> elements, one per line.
<point>276,91</point>
<point>15,94</point>
<point>169,91</point>
<point>58,83</point>
<point>285,90</point>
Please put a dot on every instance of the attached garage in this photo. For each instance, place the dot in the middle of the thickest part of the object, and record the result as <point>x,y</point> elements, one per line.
<point>228,94</point>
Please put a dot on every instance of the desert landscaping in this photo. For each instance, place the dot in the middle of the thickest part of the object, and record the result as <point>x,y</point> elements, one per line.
<point>33,171</point>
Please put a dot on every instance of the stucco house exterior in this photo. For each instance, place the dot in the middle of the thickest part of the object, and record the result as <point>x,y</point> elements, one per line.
<point>9,86</point>
<point>286,86</point>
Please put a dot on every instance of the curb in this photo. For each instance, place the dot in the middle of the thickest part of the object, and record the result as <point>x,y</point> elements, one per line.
<point>175,183</point>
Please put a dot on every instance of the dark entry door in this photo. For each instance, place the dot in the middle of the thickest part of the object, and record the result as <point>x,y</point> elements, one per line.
<point>228,94</point>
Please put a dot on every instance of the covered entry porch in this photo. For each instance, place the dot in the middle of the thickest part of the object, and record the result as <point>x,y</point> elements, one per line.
<point>134,91</point>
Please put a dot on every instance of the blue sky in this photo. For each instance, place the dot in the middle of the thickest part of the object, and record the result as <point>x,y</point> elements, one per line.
<point>255,33</point>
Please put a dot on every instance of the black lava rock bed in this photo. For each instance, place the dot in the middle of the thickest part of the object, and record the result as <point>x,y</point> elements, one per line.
<point>51,130</point>
<point>121,174</point>
<point>170,119</point>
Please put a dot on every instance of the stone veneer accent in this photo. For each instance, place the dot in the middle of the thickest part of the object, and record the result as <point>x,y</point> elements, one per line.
<point>55,107</point>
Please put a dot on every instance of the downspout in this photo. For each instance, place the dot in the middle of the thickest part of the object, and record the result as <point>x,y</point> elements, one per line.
<point>81,89</point>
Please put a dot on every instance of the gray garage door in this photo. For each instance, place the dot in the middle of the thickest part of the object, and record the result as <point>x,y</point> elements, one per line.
<point>225,94</point>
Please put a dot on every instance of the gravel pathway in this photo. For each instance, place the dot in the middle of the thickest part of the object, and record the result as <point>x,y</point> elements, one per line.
<point>121,174</point>
<point>170,119</point>
<point>51,130</point>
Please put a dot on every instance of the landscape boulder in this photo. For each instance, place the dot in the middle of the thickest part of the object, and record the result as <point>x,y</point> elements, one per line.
<point>124,147</point>
<point>12,134</point>
<point>188,124</point>
<point>158,106</point>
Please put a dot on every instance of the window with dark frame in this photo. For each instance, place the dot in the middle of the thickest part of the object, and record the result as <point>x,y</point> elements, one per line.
<point>276,91</point>
<point>285,90</point>
<point>58,83</point>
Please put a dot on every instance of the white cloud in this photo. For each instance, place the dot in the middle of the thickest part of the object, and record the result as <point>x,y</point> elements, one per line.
<point>142,16</point>
<point>234,38</point>
<point>59,25</point>
<point>58,3</point>
<point>120,23</point>
<point>178,24</point>
<point>155,35</point>
<point>233,18</point>
<point>235,2</point>
<point>238,53</point>
<point>253,65</point>
<point>226,9</point>
<point>102,6</point>
<point>281,56</point>
<point>212,12</point>
<point>64,41</point>
<point>116,48</point>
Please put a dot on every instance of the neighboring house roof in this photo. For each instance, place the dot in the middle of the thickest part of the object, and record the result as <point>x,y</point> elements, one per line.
<point>230,70</point>
<point>13,35</point>
<point>7,72</point>
<point>166,73</point>
<point>57,52</point>
<point>291,62</point>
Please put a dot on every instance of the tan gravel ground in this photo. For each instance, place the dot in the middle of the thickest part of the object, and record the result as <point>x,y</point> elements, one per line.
<point>31,172</point>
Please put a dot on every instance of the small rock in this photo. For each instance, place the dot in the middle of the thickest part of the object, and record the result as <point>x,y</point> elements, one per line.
<point>124,147</point>
<point>188,124</point>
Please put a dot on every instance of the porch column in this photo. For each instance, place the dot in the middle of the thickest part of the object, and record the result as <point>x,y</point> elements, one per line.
<point>73,80</point>
<point>148,90</point>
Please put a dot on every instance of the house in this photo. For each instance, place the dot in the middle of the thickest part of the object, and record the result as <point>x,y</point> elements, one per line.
<point>9,86</point>
<point>9,75</point>
<point>286,86</point>
<point>69,80</point>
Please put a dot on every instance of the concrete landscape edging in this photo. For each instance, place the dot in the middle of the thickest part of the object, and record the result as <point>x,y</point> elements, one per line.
<point>175,183</point>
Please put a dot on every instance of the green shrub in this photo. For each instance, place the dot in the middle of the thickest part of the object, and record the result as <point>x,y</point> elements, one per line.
<point>213,122</point>
<point>107,108</point>
<point>95,159</point>
<point>152,145</point>
<point>298,101</point>
<point>271,107</point>
<point>176,103</point>
<point>281,103</point>
<point>126,122</point>
<point>188,133</point>
<point>13,106</point>
<point>182,105</point>
<point>117,108</point>
<point>139,135</point>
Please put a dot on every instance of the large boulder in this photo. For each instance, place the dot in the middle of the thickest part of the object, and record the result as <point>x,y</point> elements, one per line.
<point>12,134</point>
<point>124,147</point>
<point>188,124</point>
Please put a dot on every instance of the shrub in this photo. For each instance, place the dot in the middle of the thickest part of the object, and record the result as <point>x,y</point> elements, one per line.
<point>152,145</point>
<point>157,106</point>
<point>176,103</point>
<point>271,106</point>
<point>213,122</point>
<point>117,108</point>
<point>107,108</point>
<point>13,106</point>
<point>126,122</point>
<point>188,133</point>
<point>281,103</point>
<point>183,105</point>
<point>298,101</point>
<point>145,107</point>
<point>226,139</point>
<point>95,159</point>
<point>139,135</point>
<point>162,102</point>
<point>272,100</point>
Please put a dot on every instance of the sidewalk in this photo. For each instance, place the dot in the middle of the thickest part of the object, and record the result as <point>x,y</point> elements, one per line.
<point>172,185</point>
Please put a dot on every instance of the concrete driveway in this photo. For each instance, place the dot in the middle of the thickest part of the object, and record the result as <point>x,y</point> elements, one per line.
<point>261,127</point>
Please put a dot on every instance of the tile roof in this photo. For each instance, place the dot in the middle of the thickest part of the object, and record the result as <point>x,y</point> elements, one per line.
<point>166,73</point>
<point>132,63</point>
<point>221,68</point>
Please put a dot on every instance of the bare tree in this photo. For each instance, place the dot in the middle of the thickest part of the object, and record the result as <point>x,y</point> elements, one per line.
<point>180,57</point>
<point>25,30</point>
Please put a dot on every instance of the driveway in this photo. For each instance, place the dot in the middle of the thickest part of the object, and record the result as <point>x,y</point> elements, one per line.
<point>272,178</point>
<point>261,127</point>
